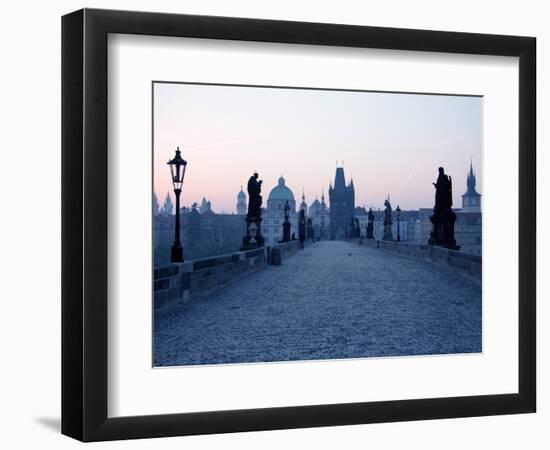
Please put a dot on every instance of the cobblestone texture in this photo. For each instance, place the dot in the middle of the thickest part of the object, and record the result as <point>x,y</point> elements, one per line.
<point>332,300</point>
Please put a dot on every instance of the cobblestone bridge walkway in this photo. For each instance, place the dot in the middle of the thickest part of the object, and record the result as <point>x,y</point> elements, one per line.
<point>332,300</point>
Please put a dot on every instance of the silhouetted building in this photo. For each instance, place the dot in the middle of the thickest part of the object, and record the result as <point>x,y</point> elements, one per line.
<point>202,234</point>
<point>206,206</point>
<point>468,225</point>
<point>314,207</point>
<point>406,224</point>
<point>303,205</point>
<point>241,203</point>
<point>279,195</point>
<point>156,208</point>
<point>342,205</point>
<point>274,214</point>
<point>423,226</point>
<point>471,199</point>
<point>168,207</point>
<point>362,215</point>
<point>468,231</point>
<point>319,214</point>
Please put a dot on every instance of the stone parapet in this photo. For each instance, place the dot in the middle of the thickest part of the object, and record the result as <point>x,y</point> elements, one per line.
<point>463,262</point>
<point>288,248</point>
<point>181,282</point>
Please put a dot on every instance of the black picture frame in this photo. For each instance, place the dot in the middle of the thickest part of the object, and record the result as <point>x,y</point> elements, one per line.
<point>84,224</point>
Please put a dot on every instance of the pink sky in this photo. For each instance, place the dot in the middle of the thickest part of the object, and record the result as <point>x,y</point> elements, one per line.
<point>390,143</point>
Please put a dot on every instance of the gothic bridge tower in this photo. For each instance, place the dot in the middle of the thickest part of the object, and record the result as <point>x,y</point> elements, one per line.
<point>471,199</point>
<point>342,205</point>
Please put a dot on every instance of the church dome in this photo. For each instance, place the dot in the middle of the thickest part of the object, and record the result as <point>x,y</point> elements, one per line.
<point>281,192</point>
<point>241,194</point>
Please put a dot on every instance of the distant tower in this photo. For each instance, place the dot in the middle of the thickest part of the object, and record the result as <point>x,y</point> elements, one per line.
<point>303,205</point>
<point>207,207</point>
<point>471,199</point>
<point>314,208</point>
<point>342,205</point>
<point>202,208</point>
<point>279,195</point>
<point>156,208</point>
<point>167,208</point>
<point>241,203</point>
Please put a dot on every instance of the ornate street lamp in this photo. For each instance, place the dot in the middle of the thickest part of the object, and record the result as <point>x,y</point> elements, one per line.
<point>398,211</point>
<point>177,169</point>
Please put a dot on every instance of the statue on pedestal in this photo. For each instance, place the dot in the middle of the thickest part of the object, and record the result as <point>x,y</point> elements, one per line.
<point>388,236</point>
<point>370,225</point>
<point>355,230</point>
<point>253,237</point>
<point>254,189</point>
<point>286,224</point>
<point>443,218</point>
<point>302,228</point>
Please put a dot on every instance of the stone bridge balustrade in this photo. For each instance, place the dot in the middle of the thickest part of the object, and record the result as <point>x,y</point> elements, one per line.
<point>463,262</point>
<point>181,282</point>
<point>332,300</point>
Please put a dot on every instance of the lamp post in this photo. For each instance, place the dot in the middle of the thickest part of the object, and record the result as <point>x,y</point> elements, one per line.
<point>398,211</point>
<point>177,170</point>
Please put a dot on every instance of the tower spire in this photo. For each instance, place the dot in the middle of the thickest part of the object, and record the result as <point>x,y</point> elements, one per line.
<point>339,179</point>
<point>471,198</point>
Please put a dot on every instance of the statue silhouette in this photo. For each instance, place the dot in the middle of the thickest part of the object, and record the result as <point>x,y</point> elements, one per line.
<point>443,191</point>
<point>254,189</point>
<point>443,217</point>
<point>253,237</point>
<point>370,225</point>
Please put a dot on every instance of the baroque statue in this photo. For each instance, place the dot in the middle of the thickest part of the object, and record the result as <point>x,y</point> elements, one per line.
<point>370,225</point>
<point>388,235</point>
<point>254,189</point>
<point>253,238</point>
<point>443,217</point>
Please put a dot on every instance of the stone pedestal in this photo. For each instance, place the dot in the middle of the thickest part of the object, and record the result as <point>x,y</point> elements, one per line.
<point>443,229</point>
<point>370,230</point>
<point>253,238</point>
<point>388,236</point>
<point>286,231</point>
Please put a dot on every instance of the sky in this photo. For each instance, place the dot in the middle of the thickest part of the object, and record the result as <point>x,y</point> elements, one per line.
<point>390,143</point>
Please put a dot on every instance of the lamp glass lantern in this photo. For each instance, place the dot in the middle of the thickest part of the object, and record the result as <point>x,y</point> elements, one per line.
<point>177,169</point>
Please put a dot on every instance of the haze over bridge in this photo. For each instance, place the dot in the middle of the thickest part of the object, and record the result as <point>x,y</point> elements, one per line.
<point>332,300</point>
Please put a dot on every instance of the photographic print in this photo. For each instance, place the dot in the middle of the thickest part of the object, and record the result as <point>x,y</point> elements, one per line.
<point>300,224</point>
